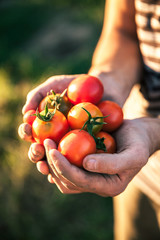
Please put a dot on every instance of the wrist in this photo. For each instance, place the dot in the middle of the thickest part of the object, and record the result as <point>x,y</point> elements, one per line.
<point>112,88</point>
<point>150,128</point>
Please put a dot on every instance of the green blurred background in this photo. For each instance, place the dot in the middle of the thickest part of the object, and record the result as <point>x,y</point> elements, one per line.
<point>40,38</point>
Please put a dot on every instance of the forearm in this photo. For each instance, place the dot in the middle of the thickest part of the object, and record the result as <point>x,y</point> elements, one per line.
<point>117,59</point>
<point>119,70</point>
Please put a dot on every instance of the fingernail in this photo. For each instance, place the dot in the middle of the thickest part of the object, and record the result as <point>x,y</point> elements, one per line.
<point>90,164</point>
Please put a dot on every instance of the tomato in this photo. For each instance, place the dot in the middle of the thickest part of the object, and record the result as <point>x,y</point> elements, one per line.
<point>114,113</point>
<point>85,88</point>
<point>54,129</point>
<point>77,144</point>
<point>109,142</point>
<point>29,117</point>
<point>62,102</point>
<point>77,116</point>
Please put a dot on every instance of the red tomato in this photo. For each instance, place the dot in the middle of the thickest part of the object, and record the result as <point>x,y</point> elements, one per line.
<point>29,117</point>
<point>85,88</point>
<point>77,144</point>
<point>109,142</point>
<point>114,113</point>
<point>77,116</point>
<point>54,129</point>
<point>62,101</point>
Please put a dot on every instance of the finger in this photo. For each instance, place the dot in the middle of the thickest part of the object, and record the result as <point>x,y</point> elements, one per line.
<point>36,152</point>
<point>63,185</point>
<point>50,178</point>
<point>57,83</point>
<point>33,99</point>
<point>49,144</point>
<point>25,132</point>
<point>69,173</point>
<point>84,181</point>
<point>42,167</point>
<point>63,189</point>
<point>131,158</point>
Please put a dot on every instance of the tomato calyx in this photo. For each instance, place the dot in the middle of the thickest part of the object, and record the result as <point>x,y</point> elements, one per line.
<point>92,121</point>
<point>47,116</point>
<point>56,99</point>
<point>100,143</point>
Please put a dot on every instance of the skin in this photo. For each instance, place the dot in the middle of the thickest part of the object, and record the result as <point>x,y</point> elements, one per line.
<point>108,174</point>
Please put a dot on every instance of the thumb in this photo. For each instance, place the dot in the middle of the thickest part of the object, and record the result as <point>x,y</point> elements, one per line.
<point>108,163</point>
<point>49,145</point>
<point>33,99</point>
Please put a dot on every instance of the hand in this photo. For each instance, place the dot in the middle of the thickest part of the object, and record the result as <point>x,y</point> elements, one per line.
<point>107,174</point>
<point>58,84</point>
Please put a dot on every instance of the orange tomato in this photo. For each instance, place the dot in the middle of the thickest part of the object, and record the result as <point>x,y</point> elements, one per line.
<point>54,129</point>
<point>77,116</point>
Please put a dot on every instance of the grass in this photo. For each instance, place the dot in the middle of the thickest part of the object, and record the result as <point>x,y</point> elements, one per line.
<point>30,207</point>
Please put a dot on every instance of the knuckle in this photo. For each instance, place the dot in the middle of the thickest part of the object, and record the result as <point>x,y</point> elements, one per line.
<point>113,167</point>
<point>25,132</point>
<point>34,155</point>
<point>37,151</point>
<point>31,158</point>
<point>27,129</point>
<point>30,94</point>
<point>50,79</point>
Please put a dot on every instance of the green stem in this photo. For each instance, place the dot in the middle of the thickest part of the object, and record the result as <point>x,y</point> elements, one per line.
<point>90,123</point>
<point>47,116</point>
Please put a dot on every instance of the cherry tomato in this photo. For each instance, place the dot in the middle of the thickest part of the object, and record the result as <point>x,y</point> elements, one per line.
<point>56,99</point>
<point>77,144</point>
<point>109,142</point>
<point>77,116</point>
<point>85,88</point>
<point>114,113</point>
<point>54,129</point>
<point>29,117</point>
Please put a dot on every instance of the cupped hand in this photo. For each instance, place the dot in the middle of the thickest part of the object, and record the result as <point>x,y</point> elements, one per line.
<point>58,84</point>
<point>105,174</point>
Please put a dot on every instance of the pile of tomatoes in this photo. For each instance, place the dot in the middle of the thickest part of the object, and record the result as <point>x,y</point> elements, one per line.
<point>77,120</point>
